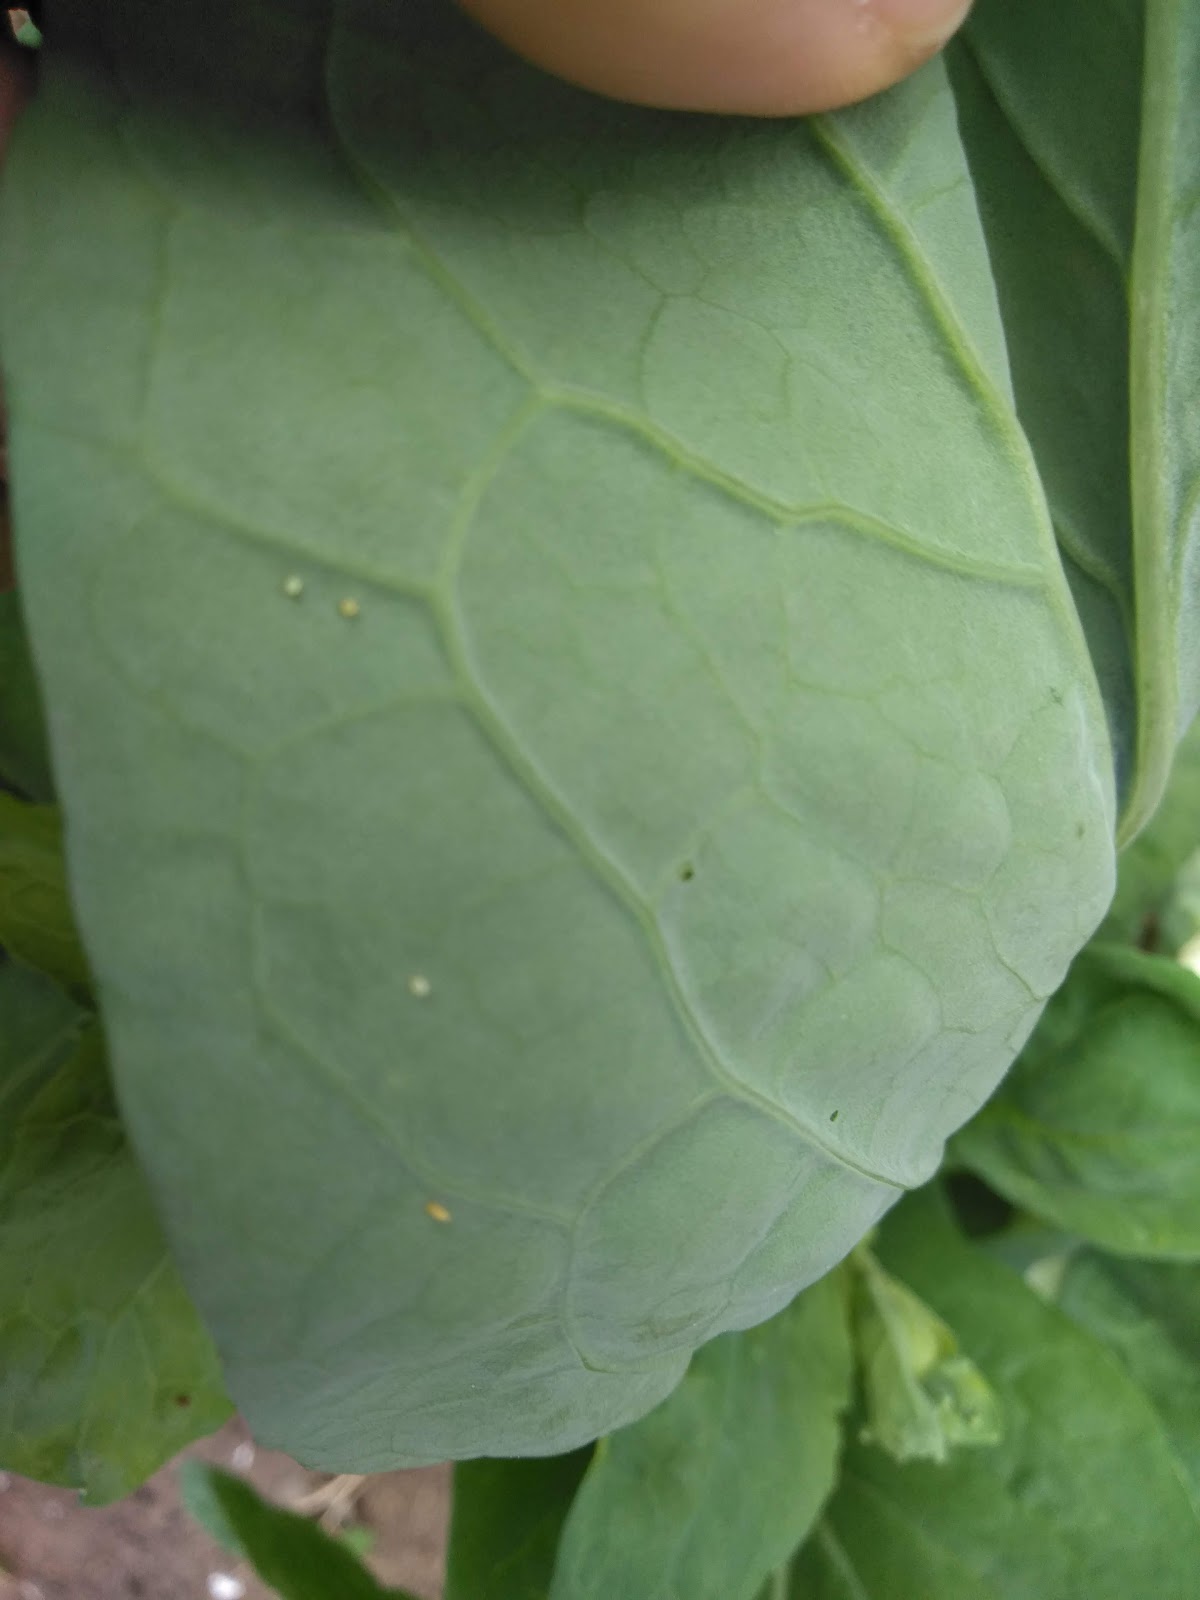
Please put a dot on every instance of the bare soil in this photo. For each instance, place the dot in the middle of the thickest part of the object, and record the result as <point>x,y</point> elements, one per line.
<point>147,1547</point>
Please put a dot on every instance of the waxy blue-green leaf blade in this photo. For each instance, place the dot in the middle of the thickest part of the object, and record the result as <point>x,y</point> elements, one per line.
<point>550,732</point>
<point>1049,100</point>
<point>1078,121</point>
<point>36,922</point>
<point>24,759</point>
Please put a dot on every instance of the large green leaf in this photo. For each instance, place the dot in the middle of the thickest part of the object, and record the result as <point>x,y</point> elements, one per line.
<point>105,1371</point>
<point>289,1552</point>
<point>36,923</point>
<point>24,759</point>
<point>713,1490</point>
<point>1096,1128</point>
<point>1050,108</point>
<point>1148,1314</point>
<point>508,1518</point>
<point>566,699</point>
<point>1081,1500</point>
<point>1085,153</point>
<point>1165,386</point>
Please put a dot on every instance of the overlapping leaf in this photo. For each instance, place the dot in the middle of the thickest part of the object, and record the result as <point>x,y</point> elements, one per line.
<point>24,757</point>
<point>1148,1314</point>
<point>1081,1500</point>
<point>1086,160</point>
<point>104,1368</point>
<point>1096,1127</point>
<point>556,734</point>
<point>715,1489</point>
<point>293,1555</point>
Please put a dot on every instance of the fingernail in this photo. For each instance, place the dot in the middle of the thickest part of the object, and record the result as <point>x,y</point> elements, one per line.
<point>924,25</point>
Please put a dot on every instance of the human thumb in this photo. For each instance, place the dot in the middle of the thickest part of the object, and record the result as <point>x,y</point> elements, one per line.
<point>763,57</point>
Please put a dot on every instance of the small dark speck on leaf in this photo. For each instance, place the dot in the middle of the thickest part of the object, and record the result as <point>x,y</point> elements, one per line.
<point>183,1399</point>
<point>833,1116</point>
<point>687,872</point>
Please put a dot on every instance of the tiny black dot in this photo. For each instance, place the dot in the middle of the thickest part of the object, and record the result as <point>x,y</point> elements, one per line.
<point>183,1399</point>
<point>687,872</point>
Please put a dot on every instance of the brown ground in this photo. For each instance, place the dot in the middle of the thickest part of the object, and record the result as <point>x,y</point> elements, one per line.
<point>148,1548</point>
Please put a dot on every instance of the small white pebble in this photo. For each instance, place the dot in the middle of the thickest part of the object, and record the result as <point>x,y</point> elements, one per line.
<point>293,586</point>
<point>242,1458</point>
<point>420,986</point>
<point>224,1586</point>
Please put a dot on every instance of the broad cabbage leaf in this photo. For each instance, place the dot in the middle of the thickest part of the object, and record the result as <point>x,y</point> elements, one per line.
<point>582,765</point>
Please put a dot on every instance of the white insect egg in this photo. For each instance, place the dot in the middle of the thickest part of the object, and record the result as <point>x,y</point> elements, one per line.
<point>224,1586</point>
<point>419,986</point>
<point>293,586</point>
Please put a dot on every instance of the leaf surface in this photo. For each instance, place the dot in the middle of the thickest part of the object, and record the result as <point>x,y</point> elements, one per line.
<point>1081,1500</point>
<point>713,1490</point>
<point>24,757</point>
<point>483,813</point>
<point>36,922</point>
<point>1149,866</point>
<point>105,1371</point>
<point>508,1518</point>
<point>1050,111</point>
<point>1148,1314</point>
<point>1096,1127</point>
<point>1077,121</point>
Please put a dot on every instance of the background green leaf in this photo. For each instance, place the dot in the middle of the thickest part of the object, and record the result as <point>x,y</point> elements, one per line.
<point>1088,190</point>
<point>715,1488</point>
<point>1148,1314</point>
<point>1148,867</point>
<point>508,1517</point>
<point>24,756</point>
<point>1049,100</point>
<point>105,1371</point>
<point>1165,384</point>
<point>1081,1500</point>
<point>36,922</point>
<point>289,1552</point>
<point>1096,1128</point>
